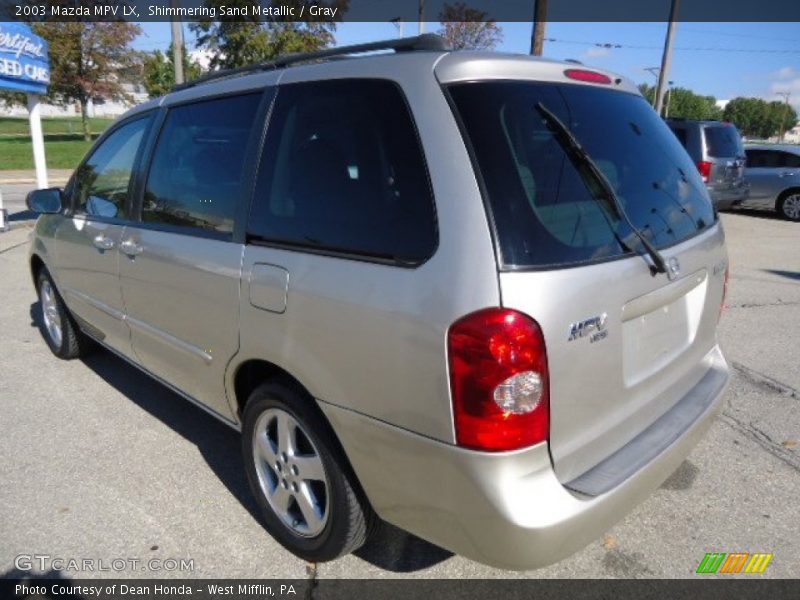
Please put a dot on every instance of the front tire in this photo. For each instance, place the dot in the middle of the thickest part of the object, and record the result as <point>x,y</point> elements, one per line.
<point>307,492</point>
<point>59,330</point>
<point>788,205</point>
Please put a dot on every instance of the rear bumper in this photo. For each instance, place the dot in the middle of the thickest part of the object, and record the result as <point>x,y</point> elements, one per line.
<point>727,198</point>
<point>504,509</point>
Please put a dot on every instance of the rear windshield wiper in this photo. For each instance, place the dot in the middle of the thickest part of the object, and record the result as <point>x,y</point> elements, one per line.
<point>584,163</point>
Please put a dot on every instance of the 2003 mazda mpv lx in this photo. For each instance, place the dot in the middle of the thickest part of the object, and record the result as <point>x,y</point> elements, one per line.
<point>475,295</point>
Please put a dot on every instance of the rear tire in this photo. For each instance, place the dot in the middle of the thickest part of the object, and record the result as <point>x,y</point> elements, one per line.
<point>788,205</point>
<point>59,329</point>
<point>309,496</point>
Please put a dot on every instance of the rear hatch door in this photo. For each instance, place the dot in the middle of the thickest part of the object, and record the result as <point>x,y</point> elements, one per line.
<point>723,148</point>
<point>624,345</point>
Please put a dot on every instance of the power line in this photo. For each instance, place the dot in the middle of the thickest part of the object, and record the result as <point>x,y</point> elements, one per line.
<point>740,35</point>
<point>682,48</point>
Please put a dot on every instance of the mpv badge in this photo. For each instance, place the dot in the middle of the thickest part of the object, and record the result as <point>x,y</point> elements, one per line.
<point>673,268</point>
<point>596,326</point>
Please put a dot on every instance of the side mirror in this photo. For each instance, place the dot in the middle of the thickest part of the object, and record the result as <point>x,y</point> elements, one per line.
<point>49,200</point>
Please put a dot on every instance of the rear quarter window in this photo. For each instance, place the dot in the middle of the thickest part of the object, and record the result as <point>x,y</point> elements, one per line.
<point>343,172</point>
<point>680,133</point>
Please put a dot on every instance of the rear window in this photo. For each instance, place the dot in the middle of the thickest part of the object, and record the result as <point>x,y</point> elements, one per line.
<point>544,213</point>
<point>722,141</point>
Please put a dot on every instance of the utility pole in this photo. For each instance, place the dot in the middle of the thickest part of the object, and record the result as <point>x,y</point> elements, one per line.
<point>666,59</point>
<point>785,96</point>
<point>421,16</point>
<point>177,46</point>
<point>539,22</point>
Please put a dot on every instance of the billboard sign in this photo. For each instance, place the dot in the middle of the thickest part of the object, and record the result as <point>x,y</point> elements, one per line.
<point>24,63</point>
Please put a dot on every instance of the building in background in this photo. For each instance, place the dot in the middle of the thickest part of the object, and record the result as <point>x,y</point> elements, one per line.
<point>97,107</point>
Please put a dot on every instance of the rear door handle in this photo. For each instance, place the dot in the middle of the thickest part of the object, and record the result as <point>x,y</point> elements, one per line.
<point>786,174</point>
<point>130,248</point>
<point>102,242</point>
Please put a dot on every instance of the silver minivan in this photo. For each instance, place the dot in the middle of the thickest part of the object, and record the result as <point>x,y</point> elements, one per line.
<point>473,295</point>
<point>717,151</point>
<point>773,172</point>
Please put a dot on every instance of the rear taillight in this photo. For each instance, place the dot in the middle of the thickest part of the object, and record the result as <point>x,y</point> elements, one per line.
<point>705,169</point>
<point>499,380</point>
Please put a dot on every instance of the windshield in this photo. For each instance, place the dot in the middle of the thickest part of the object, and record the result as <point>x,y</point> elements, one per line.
<point>543,210</point>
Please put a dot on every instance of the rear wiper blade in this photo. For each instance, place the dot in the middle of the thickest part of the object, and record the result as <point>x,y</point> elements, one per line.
<point>581,159</point>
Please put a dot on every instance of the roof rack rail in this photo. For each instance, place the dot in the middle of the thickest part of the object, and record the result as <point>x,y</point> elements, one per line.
<point>426,41</point>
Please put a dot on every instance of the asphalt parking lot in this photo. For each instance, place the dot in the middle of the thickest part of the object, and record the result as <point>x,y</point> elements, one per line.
<point>100,462</point>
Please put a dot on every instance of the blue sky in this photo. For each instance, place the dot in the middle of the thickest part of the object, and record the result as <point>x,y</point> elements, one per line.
<point>719,59</point>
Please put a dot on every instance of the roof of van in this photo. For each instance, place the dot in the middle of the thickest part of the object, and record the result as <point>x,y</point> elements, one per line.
<point>447,66</point>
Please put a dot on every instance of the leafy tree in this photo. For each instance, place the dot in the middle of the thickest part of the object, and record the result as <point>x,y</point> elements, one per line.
<point>158,71</point>
<point>90,60</point>
<point>685,103</point>
<point>251,40</point>
<point>758,118</point>
<point>465,28</point>
<point>783,115</point>
<point>9,98</point>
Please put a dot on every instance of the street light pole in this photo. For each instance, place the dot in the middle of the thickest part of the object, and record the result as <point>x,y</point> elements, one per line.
<point>398,22</point>
<point>669,95</point>
<point>421,16</point>
<point>666,59</point>
<point>654,72</point>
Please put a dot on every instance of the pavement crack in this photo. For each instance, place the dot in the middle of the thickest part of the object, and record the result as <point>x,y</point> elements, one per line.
<point>12,247</point>
<point>311,577</point>
<point>763,304</point>
<point>763,439</point>
<point>765,381</point>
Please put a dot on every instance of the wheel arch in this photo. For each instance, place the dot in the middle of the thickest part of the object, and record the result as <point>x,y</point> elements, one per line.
<point>795,189</point>
<point>36,265</point>
<point>251,373</point>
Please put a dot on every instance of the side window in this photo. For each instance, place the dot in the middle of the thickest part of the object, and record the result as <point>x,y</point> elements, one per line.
<point>790,160</point>
<point>102,182</point>
<point>755,158</point>
<point>342,170</point>
<point>195,176</point>
<point>680,133</point>
<point>771,159</point>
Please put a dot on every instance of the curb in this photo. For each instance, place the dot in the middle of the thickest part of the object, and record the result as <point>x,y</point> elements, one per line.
<point>29,180</point>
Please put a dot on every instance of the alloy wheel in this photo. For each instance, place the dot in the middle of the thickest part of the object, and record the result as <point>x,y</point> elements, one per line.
<point>791,206</point>
<point>290,473</point>
<point>52,318</point>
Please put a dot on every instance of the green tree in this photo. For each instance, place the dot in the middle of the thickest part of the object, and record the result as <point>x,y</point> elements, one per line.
<point>90,60</point>
<point>465,28</point>
<point>9,98</point>
<point>251,40</point>
<point>158,71</point>
<point>781,117</point>
<point>758,118</point>
<point>685,103</point>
